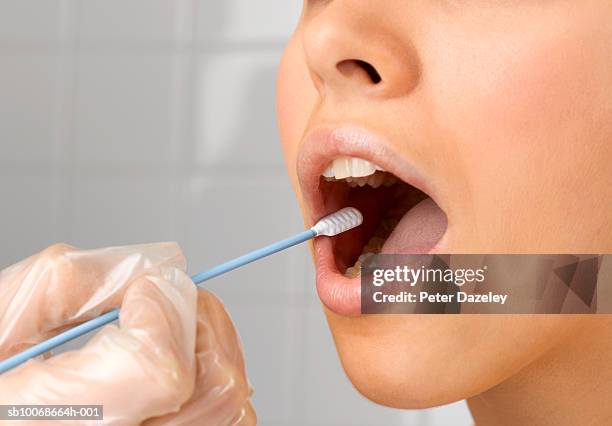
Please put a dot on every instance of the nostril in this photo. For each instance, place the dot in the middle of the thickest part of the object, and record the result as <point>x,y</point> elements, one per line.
<point>374,76</point>
<point>351,67</point>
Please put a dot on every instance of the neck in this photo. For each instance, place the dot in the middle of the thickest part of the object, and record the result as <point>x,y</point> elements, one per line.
<point>570,384</point>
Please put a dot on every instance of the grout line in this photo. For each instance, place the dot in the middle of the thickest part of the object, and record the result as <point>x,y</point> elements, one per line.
<point>181,92</point>
<point>66,115</point>
<point>187,117</point>
<point>89,47</point>
<point>231,173</point>
<point>295,323</point>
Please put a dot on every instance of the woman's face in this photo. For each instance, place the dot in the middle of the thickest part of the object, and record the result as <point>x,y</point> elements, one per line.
<point>497,118</point>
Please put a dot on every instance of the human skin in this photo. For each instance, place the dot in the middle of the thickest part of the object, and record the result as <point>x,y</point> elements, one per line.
<point>506,107</point>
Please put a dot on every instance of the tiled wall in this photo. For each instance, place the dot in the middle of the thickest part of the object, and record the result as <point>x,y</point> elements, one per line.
<point>124,121</point>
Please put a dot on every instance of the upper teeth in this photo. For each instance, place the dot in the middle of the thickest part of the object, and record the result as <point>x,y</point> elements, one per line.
<point>345,167</point>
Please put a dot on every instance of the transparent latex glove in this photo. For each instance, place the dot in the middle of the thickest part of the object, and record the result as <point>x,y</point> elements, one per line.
<point>174,358</point>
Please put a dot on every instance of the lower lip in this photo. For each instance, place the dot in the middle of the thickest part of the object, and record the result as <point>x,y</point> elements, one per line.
<point>338,293</point>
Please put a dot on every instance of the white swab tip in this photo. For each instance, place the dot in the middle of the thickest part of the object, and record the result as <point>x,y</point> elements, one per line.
<point>338,222</point>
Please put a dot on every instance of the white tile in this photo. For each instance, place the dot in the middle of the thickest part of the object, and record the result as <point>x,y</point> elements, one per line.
<point>125,109</point>
<point>235,107</point>
<point>116,210</point>
<point>265,331</point>
<point>29,21</point>
<point>29,216</point>
<point>224,218</point>
<point>452,414</point>
<point>247,20</point>
<point>128,20</point>
<point>300,273</point>
<point>29,105</point>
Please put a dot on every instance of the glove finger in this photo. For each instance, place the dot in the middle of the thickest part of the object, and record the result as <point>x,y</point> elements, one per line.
<point>145,367</point>
<point>62,286</point>
<point>222,391</point>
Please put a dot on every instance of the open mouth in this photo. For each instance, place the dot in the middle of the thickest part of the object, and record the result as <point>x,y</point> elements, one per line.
<point>384,200</point>
<point>348,167</point>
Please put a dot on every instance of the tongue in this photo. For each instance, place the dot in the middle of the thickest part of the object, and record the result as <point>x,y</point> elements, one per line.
<point>418,231</point>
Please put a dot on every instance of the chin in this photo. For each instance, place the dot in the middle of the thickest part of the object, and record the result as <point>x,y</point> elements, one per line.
<point>421,361</point>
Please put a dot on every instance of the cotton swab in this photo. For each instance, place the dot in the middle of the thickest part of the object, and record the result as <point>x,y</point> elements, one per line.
<point>334,224</point>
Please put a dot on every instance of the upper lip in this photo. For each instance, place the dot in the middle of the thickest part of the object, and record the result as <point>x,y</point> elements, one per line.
<point>324,144</point>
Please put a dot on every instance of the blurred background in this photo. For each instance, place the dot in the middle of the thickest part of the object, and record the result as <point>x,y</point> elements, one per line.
<point>126,121</point>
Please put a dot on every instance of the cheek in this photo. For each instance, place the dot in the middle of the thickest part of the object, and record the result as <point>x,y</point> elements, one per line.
<point>524,116</point>
<point>414,361</point>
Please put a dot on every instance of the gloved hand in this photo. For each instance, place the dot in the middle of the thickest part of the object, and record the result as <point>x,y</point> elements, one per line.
<point>175,359</point>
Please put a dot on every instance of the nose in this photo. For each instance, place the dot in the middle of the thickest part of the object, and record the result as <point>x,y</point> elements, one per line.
<point>354,50</point>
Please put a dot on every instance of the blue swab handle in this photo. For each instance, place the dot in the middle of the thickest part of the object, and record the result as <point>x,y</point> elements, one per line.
<point>111,316</point>
<point>336,223</point>
<point>230,265</point>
